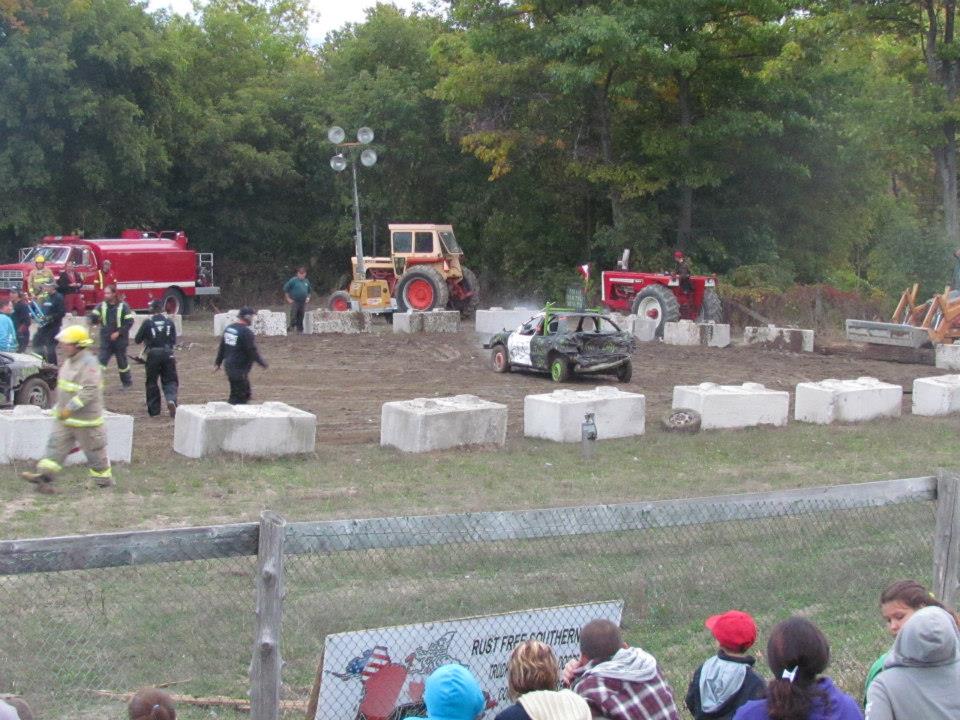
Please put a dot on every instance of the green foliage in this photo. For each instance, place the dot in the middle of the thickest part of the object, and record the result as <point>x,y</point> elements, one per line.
<point>775,146</point>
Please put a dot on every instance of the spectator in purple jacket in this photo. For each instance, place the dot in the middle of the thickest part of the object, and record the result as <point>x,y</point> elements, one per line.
<point>797,653</point>
<point>618,682</point>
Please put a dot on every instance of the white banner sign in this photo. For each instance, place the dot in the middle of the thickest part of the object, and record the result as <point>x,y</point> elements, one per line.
<point>372,674</point>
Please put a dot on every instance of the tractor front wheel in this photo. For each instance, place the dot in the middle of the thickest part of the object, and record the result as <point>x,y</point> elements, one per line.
<point>339,301</point>
<point>657,302</point>
<point>422,289</point>
<point>712,308</point>
<point>499,359</point>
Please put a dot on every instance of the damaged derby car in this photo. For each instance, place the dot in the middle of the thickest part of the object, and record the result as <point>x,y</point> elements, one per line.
<point>565,343</point>
<point>26,380</point>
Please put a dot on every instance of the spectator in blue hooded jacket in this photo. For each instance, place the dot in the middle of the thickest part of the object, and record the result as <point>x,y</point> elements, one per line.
<point>452,693</point>
<point>8,333</point>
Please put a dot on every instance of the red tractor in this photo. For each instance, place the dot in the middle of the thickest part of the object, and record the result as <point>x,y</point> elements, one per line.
<point>663,296</point>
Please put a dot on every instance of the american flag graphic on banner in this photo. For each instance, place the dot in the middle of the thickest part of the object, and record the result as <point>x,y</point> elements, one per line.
<point>378,659</point>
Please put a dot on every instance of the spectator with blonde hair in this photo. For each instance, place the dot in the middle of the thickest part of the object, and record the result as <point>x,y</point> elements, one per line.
<point>151,704</point>
<point>533,675</point>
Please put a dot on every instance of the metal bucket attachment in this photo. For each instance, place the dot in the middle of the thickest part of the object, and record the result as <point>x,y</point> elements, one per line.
<point>882,333</point>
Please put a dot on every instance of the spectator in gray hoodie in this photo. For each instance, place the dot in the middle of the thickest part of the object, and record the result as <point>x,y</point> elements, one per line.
<point>921,677</point>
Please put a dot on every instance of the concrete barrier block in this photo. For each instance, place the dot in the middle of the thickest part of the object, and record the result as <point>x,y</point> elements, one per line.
<point>273,428</point>
<point>177,320</point>
<point>265,322</point>
<point>936,395</point>
<point>644,329</point>
<point>496,319</point>
<point>687,332</point>
<point>733,406</point>
<point>558,415</point>
<point>71,319</point>
<point>777,338</point>
<point>947,357</point>
<point>25,430</point>
<point>828,401</point>
<point>435,321</point>
<point>341,322</point>
<point>426,424</point>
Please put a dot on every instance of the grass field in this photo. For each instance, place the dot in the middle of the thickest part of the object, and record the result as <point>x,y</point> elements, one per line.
<point>191,622</point>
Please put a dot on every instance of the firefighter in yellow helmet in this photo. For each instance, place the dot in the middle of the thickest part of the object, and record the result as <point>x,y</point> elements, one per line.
<point>79,414</point>
<point>39,277</point>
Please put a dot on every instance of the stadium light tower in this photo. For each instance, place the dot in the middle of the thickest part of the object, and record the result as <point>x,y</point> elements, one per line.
<point>368,158</point>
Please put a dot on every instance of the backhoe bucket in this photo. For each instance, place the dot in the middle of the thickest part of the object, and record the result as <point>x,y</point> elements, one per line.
<point>884,333</point>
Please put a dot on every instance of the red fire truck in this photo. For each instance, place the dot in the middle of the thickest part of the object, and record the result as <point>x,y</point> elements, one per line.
<point>147,265</point>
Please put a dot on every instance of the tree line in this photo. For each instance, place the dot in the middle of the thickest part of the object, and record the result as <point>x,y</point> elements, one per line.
<point>774,141</point>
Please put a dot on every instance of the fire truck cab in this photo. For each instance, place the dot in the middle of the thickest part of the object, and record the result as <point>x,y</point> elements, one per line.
<point>147,266</point>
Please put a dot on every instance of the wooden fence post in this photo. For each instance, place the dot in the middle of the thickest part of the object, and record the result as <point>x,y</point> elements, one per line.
<point>946,544</point>
<point>265,665</point>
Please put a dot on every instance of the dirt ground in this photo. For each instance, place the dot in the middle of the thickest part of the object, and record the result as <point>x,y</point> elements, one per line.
<point>344,379</point>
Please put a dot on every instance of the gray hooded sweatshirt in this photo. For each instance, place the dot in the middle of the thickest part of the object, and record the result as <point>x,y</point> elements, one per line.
<point>921,676</point>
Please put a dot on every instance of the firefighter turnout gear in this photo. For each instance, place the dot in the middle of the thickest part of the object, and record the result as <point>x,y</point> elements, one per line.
<point>79,415</point>
<point>75,335</point>
<point>37,281</point>
<point>159,336</point>
<point>238,351</point>
<point>114,319</point>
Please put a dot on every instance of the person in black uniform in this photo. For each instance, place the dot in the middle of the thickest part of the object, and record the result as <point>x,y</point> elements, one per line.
<point>160,336</point>
<point>682,271</point>
<point>45,340</point>
<point>237,353</point>
<point>115,319</point>
<point>22,319</point>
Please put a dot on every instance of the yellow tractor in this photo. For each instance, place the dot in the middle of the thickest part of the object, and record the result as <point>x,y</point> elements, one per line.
<point>935,321</point>
<point>424,271</point>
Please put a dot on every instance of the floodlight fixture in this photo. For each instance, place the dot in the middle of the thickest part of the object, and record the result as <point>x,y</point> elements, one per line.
<point>365,135</point>
<point>368,158</point>
<point>336,134</point>
<point>338,163</point>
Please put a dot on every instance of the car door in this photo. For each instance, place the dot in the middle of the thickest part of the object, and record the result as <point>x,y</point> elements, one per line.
<point>543,341</point>
<point>518,344</point>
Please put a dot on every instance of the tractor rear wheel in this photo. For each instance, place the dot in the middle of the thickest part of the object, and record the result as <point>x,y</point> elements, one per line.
<point>339,301</point>
<point>421,289</point>
<point>499,359</point>
<point>467,306</point>
<point>657,302</point>
<point>712,308</point>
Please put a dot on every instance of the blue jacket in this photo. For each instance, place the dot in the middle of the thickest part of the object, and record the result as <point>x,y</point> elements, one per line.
<point>8,334</point>
<point>839,706</point>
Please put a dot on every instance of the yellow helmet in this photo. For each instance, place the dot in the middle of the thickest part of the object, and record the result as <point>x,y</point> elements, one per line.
<point>39,258</point>
<point>75,335</point>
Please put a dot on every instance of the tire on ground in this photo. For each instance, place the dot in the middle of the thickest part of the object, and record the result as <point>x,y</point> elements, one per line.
<point>659,300</point>
<point>712,308</point>
<point>421,289</point>
<point>625,372</point>
<point>468,306</point>
<point>340,301</point>
<point>682,420</point>
<point>500,359</point>
<point>34,391</point>
<point>559,369</point>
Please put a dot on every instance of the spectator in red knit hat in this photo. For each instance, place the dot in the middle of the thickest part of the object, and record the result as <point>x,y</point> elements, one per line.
<point>727,680</point>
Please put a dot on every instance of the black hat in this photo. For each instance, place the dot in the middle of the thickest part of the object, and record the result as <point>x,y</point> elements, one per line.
<point>156,305</point>
<point>246,312</point>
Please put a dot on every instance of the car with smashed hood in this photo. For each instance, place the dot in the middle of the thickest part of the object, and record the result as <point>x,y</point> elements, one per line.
<point>564,343</point>
<point>26,380</point>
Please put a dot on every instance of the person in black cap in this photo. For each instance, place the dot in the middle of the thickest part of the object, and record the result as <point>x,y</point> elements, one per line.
<point>160,336</point>
<point>237,353</point>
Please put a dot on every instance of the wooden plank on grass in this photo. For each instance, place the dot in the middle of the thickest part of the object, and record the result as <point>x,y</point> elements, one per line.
<point>379,533</point>
<point>84,552</point>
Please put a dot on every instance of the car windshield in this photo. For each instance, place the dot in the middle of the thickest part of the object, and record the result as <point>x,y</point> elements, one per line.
<point>450,242</point>
<point>50,253</point>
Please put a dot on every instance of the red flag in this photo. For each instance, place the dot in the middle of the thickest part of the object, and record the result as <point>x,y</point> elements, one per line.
<point>584,270</point>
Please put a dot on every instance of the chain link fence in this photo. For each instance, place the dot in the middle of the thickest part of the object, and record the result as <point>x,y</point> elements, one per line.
<point>74,641</point>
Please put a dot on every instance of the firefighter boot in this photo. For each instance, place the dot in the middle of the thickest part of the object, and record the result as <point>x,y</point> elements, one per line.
<point>43,482</point>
